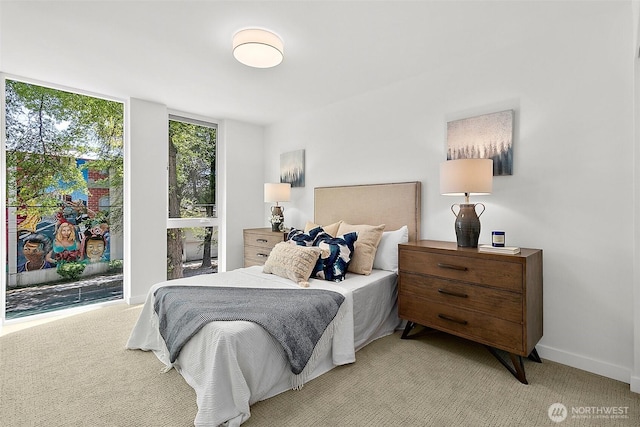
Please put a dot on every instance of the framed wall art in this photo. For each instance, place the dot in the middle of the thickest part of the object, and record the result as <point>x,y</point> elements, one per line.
<point>292,168</point>
<point>489,136</point>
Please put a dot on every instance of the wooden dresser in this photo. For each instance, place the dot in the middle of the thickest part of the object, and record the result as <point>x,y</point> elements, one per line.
<point>258,243</point>
<point>488,298</point>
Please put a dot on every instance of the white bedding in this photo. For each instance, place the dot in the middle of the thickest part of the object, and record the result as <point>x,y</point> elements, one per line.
<point>232,365</point>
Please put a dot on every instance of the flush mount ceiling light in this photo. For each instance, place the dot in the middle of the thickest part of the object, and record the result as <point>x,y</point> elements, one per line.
<point>258,48</point>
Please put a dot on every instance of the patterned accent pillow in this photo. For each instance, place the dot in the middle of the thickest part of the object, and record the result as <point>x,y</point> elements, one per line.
<point>301,238</point>
<point>292,262</point>
<point>336,255</point>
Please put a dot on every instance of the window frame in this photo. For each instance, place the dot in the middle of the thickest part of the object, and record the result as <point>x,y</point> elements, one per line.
<point>3,193</point>
<point>194,222</point>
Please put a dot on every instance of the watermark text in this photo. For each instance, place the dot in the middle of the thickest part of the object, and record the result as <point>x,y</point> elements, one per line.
<point>558,412</point>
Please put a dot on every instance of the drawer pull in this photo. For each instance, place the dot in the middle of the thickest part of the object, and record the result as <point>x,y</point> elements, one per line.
<point>453,294</point>
<point>262,240</point>
<point>262,255</point>
<point>451,319</point>
<point>452,267</point>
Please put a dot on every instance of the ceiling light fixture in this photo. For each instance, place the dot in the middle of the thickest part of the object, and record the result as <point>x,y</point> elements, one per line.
<point>258,48</point>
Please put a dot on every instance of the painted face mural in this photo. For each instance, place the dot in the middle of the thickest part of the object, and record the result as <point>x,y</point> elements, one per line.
<point>94,249</point>
<point>34,250</point>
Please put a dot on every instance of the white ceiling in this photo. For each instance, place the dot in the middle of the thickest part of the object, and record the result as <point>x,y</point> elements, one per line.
<point>178,53</point>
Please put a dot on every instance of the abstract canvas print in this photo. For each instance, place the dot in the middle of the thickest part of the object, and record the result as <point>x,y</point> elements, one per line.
<point>292,168</point>
<point>489,136</point>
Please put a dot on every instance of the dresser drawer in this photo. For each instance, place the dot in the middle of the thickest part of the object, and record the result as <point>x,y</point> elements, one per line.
<point>468,324</point>
<point>502,274</point>
<point>498,303</point>
<point>262,240</point>
<point>254,255</point>
<point>258,243</point>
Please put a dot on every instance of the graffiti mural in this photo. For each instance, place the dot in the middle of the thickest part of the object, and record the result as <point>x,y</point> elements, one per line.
<point>74,234</point>
<point>77,232</point>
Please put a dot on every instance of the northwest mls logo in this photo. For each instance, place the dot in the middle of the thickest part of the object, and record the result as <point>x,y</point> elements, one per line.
<point>557,412</point>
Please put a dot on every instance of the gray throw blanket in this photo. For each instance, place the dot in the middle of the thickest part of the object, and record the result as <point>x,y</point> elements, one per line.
<point>295,318</point>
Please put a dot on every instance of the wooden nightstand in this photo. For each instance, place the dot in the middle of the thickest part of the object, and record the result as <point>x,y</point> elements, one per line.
<point>488,298</point>
<point>258,243</point>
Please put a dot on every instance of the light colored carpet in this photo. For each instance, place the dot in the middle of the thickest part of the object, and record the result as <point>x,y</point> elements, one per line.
<point>76,372</point>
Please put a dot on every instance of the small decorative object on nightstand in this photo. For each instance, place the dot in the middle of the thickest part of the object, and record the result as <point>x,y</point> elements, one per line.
<point>497,239</point>
<point>258,243</point>
<point>489,298</point>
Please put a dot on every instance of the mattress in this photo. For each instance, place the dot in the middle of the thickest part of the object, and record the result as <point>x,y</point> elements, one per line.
<point>232,365</point>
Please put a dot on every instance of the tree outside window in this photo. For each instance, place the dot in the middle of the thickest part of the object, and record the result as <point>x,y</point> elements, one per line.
<point>192,190</point>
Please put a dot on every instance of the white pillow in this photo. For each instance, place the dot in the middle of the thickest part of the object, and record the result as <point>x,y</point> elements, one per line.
<point>387,253</point>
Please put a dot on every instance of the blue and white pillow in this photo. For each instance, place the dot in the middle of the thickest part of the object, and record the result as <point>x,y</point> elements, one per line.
<point>301,238</point>
<point>335,257</point>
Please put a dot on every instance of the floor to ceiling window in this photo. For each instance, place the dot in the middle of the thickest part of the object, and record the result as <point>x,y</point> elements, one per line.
<point>64,180</point>
<point>192,231</point>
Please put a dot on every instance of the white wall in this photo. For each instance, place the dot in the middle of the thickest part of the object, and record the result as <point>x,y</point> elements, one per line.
<point>243,198</point>
<point>145,212</point>
<point>635,377</point>
<point>571,194</point>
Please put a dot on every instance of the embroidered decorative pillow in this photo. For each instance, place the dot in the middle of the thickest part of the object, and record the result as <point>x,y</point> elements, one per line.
<point>365,249</point>
<point>302,238</point>
<point>336,255</point>
<point>292,262</point>
<point>331,229</point>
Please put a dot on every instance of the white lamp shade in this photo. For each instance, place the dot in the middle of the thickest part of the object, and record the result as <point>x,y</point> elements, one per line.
<point>258,48</point>
<point>470,176</point>
<point>277,192</point>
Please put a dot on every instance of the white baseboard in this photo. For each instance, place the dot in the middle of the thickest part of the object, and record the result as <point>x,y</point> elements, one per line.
<point>135,300</point>
<point>619,373</point>
<point>635,384</point>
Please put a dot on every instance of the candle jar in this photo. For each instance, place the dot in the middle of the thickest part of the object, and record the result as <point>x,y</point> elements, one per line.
<point>497,239</point>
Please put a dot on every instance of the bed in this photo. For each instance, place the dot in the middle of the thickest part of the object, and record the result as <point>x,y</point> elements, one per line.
<point>233,364</point>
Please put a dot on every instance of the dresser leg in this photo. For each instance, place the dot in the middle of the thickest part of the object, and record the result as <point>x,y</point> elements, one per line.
<point>407,329</point>
<point>534,356</point>
<point>516,361</point>
<point>516,367</point>
<point>422,331</point>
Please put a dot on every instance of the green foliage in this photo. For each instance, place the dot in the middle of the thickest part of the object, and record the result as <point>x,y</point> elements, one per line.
<point>205,233</point>
<point>115,265</point>
<point>47,129</point>
<point>70,270</point>
<point>195,147</point>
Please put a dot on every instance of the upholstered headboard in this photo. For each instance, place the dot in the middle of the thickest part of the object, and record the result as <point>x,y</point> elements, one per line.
<point>394,205</point>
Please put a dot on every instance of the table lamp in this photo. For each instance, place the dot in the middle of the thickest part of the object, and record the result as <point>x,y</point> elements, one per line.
<point>277,192</point>
<point>465,177</point>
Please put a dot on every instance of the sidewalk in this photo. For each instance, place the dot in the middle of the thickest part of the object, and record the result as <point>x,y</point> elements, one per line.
<point>22,302</point>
